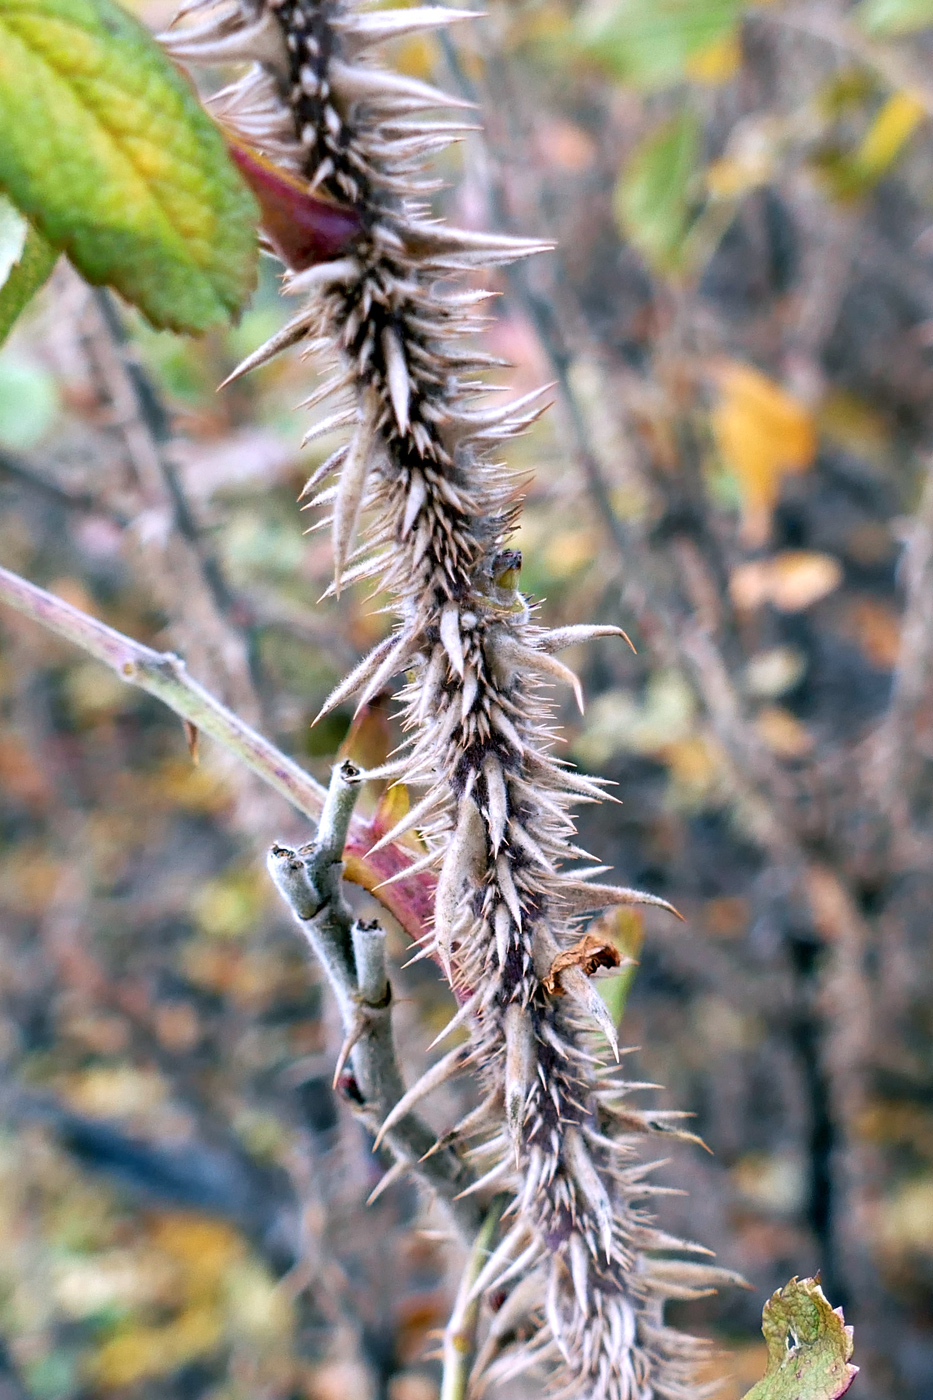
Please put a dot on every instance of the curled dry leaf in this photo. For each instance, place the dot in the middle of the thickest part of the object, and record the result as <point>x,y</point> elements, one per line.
<point>589,953</point>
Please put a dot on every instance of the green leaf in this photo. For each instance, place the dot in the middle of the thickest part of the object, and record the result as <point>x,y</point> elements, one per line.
<point>809,1346</point>
<point>889,18</point>
<point>649,42</point>
<point>26,261</point>
<point>106,149</point>
<point>652,197</point>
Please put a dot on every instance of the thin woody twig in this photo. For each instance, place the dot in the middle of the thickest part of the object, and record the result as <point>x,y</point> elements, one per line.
<point>353,956</point>
<point>164,675</point>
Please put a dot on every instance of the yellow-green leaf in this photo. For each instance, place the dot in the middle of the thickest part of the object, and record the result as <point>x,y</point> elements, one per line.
<point>889,18</point>
<point>650,42</point>
<point>26,261</point>
<point>106,149</point>
<point>652,198</point>
<point>809,1346</point>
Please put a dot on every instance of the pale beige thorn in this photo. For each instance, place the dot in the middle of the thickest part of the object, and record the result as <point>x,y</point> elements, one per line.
<point>683,1272</point>
<point>522,1301</point>
<point>520,1066</point>
<point>653,1238</point>
<point>191,7</point>
<point>390,666</point>
<point>366,568</point>
<point>427,952</point>
<point>506,728</point>
<point>450,636</point>
<point>428,127</point>
<point>502,927</point>
<point>561,637</point>
<point>221,19</point>
<point>432,1079</point>
<point>469,692</point>
<point>578,897</point>
<point>528,1256</point>
<point>502,1255</point>
<point>290,333</point>
<point>411,819</point>
<point>397,1170</point>
<point>442,238</point>
<point>357,677</point>
<point>462,1014</point>
<point>577,986</point>
<point>354,83</point>
<point>580,1271</point>
<point>263,42</point>
<point>497,800</point>
<point>397,377</point>
<point>550,666</point>
<point>334,421</point>
<point>502,1169</point>
<point>353,476</point>
<point>415,499</point>
<point>507,889</point>
<point>489,417</point>
<point>518,836</point>
<point>350,1039</point>
<point>324,391</point>
<point>324,274</point>
<point>464,860</point>
<point>362,28</point>
<point>330,464</point>
<point>587,1179</point>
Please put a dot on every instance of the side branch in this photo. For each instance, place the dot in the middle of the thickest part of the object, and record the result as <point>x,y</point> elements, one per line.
<point>352,954</point>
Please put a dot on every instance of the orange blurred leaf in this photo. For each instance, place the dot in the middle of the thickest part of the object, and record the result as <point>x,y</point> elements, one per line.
<point>763,434</point>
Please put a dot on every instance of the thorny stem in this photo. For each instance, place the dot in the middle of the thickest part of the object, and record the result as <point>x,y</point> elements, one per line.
<point>460,1332</point>
<point>353,957</point>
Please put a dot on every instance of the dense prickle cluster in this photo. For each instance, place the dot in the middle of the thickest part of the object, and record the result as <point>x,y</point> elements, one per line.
<point>579,1256</point>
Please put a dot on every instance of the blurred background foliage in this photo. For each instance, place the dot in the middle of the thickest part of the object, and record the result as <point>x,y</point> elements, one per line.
<point>739,324</point>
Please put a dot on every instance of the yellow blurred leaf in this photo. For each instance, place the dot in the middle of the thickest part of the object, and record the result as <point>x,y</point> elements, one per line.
<point>115,1092</point>
<point>783,733</point>
<point>790,581</point>
<point>230,906</point>
<point>207,1248</point>
<point>716,63</point>
<point>893,126</point>
<point>569,551</point>
<point>141,1351</point>
<point>763,434</point>
<point>855,425</point>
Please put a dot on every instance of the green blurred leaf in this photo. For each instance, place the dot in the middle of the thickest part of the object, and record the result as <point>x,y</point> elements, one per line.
<point>809,1346</point>
<point>889,18</point>
<point>106,149</point>
<point>649,42</point>
<point>26,261</point>
<point>652,197</point>
<point>28,403</point>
